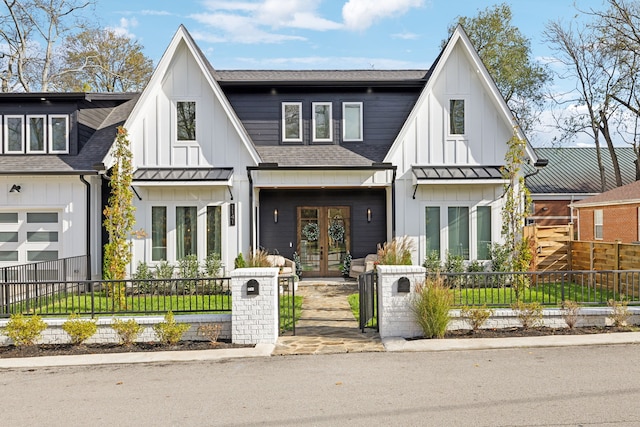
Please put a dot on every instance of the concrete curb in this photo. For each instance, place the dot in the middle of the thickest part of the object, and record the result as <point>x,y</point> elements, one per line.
<point>394,344</point>
<point>260,350</point>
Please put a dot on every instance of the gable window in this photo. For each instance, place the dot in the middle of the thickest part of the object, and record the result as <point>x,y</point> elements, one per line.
<point>14,134</point>
<point>292,121</point>
<point>352,121</point>
<point>35,134</point>
<point>158,233</point>
<point>456,116</point>
<point>459,231</point>
<point>322,129</point>
<point>597,224</point>
<point>186,120</point>
<point>433,229</point>
<point>58,134</point>
<point>484,232</point>
<point>186,231</point>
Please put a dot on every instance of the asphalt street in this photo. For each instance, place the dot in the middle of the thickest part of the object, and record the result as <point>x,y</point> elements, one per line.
<point>561,386</point>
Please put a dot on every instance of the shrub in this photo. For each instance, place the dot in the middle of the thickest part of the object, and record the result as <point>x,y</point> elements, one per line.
<point>79,330</point>
<point>169,331</point>
<point>398,252</point>
<point>570,313</point>
<point>476,316</point>
<point>619,311</point>
<point>430,305</point>
<point>127,330</point>
<point>298,262</point>
<point>258,258</point>
<point>143,274</point>
<point>239,261</point>
<point>432,262</point>
<point>164,270</point>
<point>24,331</point>
<point>346,265</point>
<point>529,313</point>
<point>213,265</point>
<point>188,268</point>
<point>211,332</point>
<point>476,266</point>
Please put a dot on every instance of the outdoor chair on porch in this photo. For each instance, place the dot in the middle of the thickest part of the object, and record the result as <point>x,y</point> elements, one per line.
<point>362,265</point>
<point>285,265</point>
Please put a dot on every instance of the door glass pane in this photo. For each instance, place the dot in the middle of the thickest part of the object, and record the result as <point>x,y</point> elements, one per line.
<point>309,235</point>
<point>484,232</point>
<point>186,231</point>
<point>338,237</point>
<point>433,229</point>
<point>42,236</point>
<point>36,133</point>
<point>214,230</point>
<point>459,231</point>
<point>158,233</point>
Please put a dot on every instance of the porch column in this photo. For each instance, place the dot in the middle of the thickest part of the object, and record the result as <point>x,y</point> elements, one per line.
<point>254,306</point>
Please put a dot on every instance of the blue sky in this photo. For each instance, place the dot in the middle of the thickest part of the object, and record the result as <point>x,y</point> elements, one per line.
<point>329,34</point>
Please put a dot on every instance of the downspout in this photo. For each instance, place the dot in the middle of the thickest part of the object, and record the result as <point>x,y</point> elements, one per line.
<point>250,209</point>
<point>88,225</point>
<point>393,203</point>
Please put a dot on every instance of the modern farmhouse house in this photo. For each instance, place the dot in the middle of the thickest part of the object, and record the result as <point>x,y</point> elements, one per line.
<point>315,162</point>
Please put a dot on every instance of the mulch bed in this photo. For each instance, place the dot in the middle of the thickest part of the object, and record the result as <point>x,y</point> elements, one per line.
<point>69,349</point>
<point>535,332</point>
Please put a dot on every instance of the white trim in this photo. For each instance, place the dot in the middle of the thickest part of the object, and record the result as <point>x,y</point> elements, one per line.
<point>28,133</point>
<point>284,122</point>
<point>50,133</point>
<point>314,137</point>
<point>6,133</point>
<point>344,121</point>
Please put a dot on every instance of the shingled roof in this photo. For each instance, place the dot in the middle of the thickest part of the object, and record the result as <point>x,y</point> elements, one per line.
<point>629,193</point>
<point>574,170</point>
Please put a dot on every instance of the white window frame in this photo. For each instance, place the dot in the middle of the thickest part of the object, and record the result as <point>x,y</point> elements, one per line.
<point>6,133</point>
<point>344,122</point>
<point>175,121</point>
<point>598,222</point>
<point>50,133</point>
<point>449,113</point>
<point>313,120</point>
<point>284,122</point>
<point>45,125</point>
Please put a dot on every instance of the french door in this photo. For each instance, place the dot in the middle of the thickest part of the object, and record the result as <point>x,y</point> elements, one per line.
<point>324,238</point>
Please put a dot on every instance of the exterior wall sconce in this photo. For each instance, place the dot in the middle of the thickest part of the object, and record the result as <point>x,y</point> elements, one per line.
<point>15,188</point>
<point>368,214</point>
<point>275,216</point>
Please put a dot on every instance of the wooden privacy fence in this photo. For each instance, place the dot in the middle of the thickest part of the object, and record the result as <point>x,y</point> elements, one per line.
<point>551,247</point>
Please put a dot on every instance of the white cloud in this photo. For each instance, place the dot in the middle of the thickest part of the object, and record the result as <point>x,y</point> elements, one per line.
<point>123,29</point>
<point>324,62</point>
<point>148,12</point>
<point>238,29</point>
<point>361,14</point>
<point>405,36</point>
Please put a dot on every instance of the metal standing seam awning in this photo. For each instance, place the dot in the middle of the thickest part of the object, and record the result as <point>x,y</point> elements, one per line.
<point>458,175</point>
<point>182,176</point>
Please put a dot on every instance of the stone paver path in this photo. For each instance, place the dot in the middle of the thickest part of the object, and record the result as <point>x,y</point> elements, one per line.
<point>327,324</point>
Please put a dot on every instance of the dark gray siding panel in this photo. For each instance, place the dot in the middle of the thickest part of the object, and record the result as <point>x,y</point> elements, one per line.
<point>281,237</point>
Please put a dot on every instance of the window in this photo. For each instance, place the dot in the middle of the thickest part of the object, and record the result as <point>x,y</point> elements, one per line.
<point>33,256</point>
<point>58,134</point>
<point>456,116</point>
<point>597,224</point>
<point>42,236</point>
<point>42,217</point>
<point>459,231</point>
<point>186,231</point>
<point>352,121</point>
<point>158,233</point>
<point>433,229</point>
<point>8,256</point>
<point>35,134</point>
<point>322,128</point>
<point>292,121</point>
<point>14,134</point>
<point>214,224</point>
<point>8,217</point>
<point>8,237</point>
<point>186,118</point>
<point>484,232</point>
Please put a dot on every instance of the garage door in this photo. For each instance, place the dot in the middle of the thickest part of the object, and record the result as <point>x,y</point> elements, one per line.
<point>29,236</point>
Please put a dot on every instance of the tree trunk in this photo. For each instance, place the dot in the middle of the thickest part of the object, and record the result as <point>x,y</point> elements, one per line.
<point>604,129</point>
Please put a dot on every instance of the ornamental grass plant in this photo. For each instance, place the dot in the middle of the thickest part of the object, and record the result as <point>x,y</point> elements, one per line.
<point>430,306</point>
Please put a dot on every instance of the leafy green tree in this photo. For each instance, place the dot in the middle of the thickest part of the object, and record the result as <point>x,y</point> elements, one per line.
<point>506,53</point>
<point>100,60</point>
<point>119,218</point>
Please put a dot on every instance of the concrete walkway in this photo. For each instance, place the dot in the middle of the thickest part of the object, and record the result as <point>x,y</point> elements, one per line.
<point>326,324</point>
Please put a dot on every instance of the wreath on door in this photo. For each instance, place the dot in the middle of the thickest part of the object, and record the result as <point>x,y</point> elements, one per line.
<point>336,231</point>
<point>311,231</point>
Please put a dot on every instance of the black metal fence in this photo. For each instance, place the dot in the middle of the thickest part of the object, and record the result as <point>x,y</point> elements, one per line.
<point>94,298</point>
<point>287,305</point>
<point>549,288</point>
<point>60,270</point>
<point>368,290</point>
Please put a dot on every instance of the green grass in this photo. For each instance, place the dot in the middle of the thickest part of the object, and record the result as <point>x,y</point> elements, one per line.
<point>354,303</point>
<point>286,315</point>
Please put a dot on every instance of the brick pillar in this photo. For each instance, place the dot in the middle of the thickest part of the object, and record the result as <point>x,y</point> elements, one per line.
<point>395,317</point>
<point>254,318</point>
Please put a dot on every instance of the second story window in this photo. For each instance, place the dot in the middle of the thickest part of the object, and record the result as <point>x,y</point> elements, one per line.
<point>322,122</point>
<point>352,121</point>
<point>456,117</point>
<point>59,134</point>
<point>36,134</point>
<point>186,120</point>
<point>292,121</point>
<point>14,134</point>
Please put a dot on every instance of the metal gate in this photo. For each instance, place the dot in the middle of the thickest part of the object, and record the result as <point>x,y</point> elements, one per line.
<point>368,289</point>
<point>287,305</point>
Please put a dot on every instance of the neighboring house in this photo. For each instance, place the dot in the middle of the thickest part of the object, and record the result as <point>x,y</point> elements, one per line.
<point>572,175</point>
<point>50,191</point>
<point>315,162</point>
<point>611,216</point>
